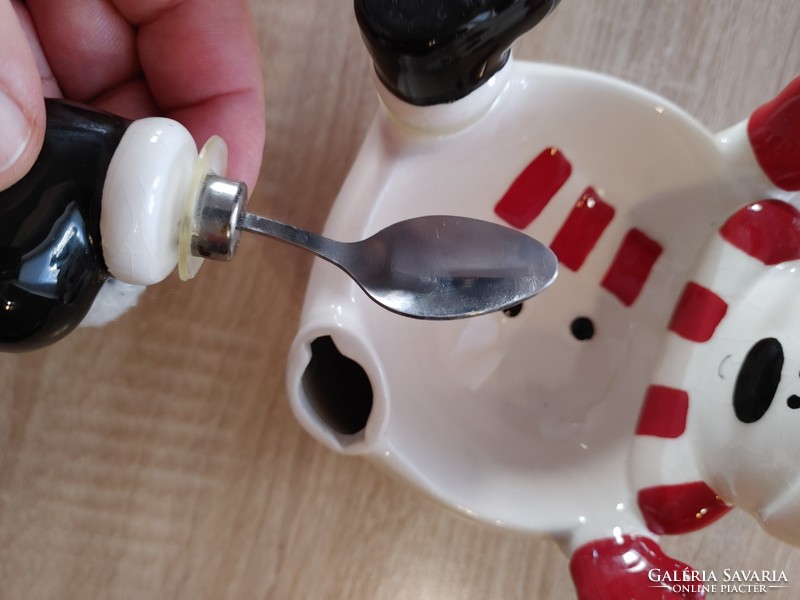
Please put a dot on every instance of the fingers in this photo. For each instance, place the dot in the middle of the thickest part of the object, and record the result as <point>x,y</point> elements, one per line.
<point>91,48</point>
<point>22,116</point>
<point>196,61</point>
<point>202,63</point>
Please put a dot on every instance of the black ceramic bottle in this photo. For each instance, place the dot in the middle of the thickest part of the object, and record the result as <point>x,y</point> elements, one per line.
<point>51,263</point>
<point>108,204</point>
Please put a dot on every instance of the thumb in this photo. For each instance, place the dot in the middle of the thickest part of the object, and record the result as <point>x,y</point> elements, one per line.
<point>22,117</point>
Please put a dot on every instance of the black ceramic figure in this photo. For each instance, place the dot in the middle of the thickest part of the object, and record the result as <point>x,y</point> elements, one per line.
<point>106,210</point>
<point>51,264</point>
<point>436,51</point>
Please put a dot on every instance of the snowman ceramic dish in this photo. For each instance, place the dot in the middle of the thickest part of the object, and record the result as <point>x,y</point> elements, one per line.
<point>649,391</point>
<point>643,393</point>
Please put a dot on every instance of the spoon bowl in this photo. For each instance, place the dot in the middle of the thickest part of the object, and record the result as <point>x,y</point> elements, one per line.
<point>447,267</point>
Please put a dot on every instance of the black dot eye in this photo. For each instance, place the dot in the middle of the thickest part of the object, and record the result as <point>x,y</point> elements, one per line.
<point>513,311</point>
<point>758,380</point>
<point>793,402</point>
<point>582,328</point>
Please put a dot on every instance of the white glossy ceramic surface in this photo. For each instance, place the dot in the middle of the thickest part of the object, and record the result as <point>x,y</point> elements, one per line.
<point>146,186</point>
<point>751,465</point>
<point>512,420</point>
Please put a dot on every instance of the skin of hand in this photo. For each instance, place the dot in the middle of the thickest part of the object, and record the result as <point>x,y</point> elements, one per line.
<point>195,61</point>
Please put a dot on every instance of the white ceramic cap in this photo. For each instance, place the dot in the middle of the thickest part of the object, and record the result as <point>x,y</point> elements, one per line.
<point>144,196</point>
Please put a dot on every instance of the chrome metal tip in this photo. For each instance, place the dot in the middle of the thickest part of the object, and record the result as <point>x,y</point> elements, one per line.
<point>215,223</point>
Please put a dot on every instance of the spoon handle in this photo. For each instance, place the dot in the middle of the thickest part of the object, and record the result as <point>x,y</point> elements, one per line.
<point>323,247</point>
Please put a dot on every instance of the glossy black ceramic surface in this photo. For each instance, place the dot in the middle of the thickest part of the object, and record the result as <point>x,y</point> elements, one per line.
<point>51,264</point>
<point>436,51</point>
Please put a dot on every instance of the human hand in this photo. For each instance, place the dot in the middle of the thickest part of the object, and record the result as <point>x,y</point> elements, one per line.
<point>195,61</point>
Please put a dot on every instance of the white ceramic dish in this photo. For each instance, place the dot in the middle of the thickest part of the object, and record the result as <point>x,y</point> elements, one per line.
<point>529,421</point>
<point>640,395</point>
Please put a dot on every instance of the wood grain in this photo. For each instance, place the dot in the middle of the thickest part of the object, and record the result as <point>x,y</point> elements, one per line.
<point>158,458</point>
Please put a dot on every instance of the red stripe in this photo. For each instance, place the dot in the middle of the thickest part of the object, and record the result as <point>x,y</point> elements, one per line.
<point>534,188</point>
<point>774,132</point>
<point>768,231</point>
<point>672,509</point>
<point>585,224</point>
<point>631,566</point>
<point>663,412</point>
<point>698,313</point>
<point>631,266</point>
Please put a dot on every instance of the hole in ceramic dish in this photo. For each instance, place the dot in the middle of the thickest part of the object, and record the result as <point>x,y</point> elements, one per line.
<point>582,329</point>
<point>513,311</point>
<point>337,388</point>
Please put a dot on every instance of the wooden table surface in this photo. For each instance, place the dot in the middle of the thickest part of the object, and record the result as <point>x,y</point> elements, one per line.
<point>158,457</point>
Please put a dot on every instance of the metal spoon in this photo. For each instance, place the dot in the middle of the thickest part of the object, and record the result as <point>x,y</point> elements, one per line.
<point>431,267</point>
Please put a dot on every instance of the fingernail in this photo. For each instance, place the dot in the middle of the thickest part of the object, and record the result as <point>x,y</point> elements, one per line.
<point>15,132</point>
